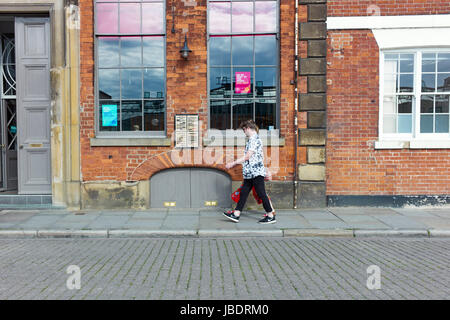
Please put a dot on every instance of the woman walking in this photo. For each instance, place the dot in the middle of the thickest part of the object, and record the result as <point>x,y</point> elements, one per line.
<point>253,172</point>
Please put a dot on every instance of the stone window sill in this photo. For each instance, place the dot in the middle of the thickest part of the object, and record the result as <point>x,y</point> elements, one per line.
<point>240,142</point>
<point>129,141</point>
<point>413,144</point>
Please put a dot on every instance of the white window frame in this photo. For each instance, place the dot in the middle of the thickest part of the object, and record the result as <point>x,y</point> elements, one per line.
<point>417,92</point>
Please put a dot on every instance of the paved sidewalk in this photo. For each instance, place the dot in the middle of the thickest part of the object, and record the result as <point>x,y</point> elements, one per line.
<point>335,222</point>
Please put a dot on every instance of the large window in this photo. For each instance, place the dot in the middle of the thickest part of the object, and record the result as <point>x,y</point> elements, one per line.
<point>243,63</point>
<point>416,94</point>
<point>130,66</point>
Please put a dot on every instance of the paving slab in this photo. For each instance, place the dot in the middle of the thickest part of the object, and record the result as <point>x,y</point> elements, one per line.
<point>16,216</point>
<point>183,222</point>
<point>151,224</point>
<point>219,223</point>
<point>149,215</point>
<point>362,211</point>
<point>434,223</point>
<point>401,222</point>
<point>328,224</point>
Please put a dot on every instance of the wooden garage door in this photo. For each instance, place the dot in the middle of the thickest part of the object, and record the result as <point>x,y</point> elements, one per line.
<point>190,188</point>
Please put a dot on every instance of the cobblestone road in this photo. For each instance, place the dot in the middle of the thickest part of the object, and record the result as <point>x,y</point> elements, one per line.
<point>180,268</point>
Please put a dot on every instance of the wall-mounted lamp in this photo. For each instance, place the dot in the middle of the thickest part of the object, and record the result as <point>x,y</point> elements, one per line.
<point>185,50</point>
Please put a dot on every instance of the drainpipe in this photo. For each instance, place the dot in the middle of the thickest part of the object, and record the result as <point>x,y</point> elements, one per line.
<point>296,103</point>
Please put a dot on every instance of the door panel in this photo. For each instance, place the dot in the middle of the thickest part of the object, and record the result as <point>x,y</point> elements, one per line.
<point>33,104</point>
<point>209,185</point>
<point>168,186</point>
<point>190,188</point>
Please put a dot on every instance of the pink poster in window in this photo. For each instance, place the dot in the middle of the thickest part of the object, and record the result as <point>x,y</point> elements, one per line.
<point>242,82</point>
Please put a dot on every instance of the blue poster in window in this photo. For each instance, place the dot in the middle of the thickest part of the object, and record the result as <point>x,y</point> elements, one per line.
<point>109,115</point>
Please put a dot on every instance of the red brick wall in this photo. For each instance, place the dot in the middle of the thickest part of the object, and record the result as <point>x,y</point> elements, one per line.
<point>186,93</point>
<point>353,166</point>
<point>340,8</point>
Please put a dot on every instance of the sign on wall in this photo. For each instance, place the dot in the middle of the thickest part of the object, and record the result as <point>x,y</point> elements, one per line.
<point>109,115</point>
<point>243,82</point>
<point>186,131</point>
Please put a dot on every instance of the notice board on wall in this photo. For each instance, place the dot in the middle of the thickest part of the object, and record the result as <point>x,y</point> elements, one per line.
<point>186,131</point>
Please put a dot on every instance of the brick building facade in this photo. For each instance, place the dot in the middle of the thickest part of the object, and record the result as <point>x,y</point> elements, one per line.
<point>367,162</point>
<point>352,99</point>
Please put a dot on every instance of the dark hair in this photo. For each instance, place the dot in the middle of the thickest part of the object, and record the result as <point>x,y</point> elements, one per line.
<point>249,124</point>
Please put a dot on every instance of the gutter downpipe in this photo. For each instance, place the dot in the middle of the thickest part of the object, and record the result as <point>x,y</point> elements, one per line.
<point>296,104</point>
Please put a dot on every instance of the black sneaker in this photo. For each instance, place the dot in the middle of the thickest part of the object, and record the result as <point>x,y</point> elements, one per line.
<point>230,215</point>
<point>268,220</point>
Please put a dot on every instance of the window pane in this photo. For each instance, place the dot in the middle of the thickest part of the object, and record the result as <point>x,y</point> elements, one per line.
<point>154,115</point>
<point>389,105</point>
<point>390,66</point>
<point>108,84</point>
<point>242,50</point>
<point>404,104</point>
<point>265,50</point>
<point>220,114</point>
<point>132,115</point>
<point>442,104</point>
<point>130,51</point>
<point>406,82</point>
<point>390,81</point>
<point>220,51</point>
<point>107,18</point>
<point>390,124</point>
<point>242,17</point>
<point>153,83</point>
<point>404,123</point>
<point>220,82</point>
<point>109,115</point>
<point>426,104</point>
<point>219,18</point>
<point>443,82</point>
<point>265,113</point>
<point>426,124</point>
<point>153,51</point>
<point>131,84</point>
<point>406,63</point>
<point>442,123</point>
<point>153,18</point>
<point>391,56</point>
<point>130,18</point>
<point>242,111</point>
<point>243,82</point>
<point>265,16</point>
<point>428,82</point>
<point>108,51</point>
<point>428,65</point>
<point>444,62</point>
<point>266,82</point>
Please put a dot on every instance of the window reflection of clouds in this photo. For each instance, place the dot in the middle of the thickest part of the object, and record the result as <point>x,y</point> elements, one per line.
<point>109,84</point>
<point>265,16</point>
<point>130,51</point>
<point>152,18</point>
<point>138,61</point>
<point>131,84</point>
<point>107,18</point>
<point>219,17</point>
<point>153,51</point>
<point>130,18</point>
<point>108,51</point>
<point>242,16</point>
<point>220,48</point>
<point>153,83</point>
<point>265,50</point>
<point>242,50</point>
